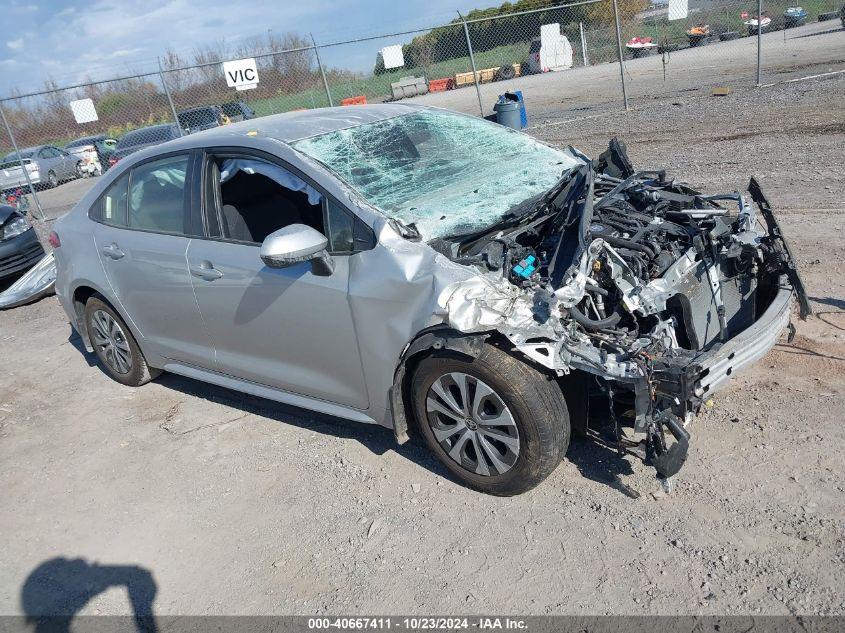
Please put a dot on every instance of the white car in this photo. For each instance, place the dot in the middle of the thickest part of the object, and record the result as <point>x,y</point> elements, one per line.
<point>93,152</point>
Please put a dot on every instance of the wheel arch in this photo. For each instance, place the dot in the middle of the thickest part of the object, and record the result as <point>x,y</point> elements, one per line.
<point>573,385</point>
<point>423,344</point>
<point>82,292</point>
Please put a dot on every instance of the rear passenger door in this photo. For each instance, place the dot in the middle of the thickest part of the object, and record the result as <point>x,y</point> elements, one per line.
<point>67,162</point>
<point>49,160</point>
<point>142,234</point>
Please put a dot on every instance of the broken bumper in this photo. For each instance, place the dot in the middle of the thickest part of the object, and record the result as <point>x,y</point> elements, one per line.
<point>37,282</point>
<point>748,346</point>
<point>19,253</point>
<point>683,391</point>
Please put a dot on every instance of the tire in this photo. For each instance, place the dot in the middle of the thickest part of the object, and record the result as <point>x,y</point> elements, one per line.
<point>52,179</point>
<point>519,404</point>
<point>116,348</point>
<point>505,73</point>
<point>79,173</point>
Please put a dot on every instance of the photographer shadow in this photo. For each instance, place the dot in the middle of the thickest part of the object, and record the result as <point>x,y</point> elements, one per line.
<point>59,588</point>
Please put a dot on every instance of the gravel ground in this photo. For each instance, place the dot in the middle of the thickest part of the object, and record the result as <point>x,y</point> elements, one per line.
<point>236,505</point>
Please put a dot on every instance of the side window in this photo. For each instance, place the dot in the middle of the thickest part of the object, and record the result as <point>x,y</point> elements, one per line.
<point>112,205</point>
<point>257,197</point>
<point>157,195</point>
<point>45,153</point>
<point>341,227</point>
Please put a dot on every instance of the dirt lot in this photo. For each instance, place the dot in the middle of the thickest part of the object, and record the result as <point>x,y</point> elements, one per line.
<point>235,505</point>
<point>812,49</point>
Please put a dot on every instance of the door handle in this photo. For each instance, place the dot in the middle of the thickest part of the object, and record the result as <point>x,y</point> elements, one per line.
<point>206,271</point>
<point>113,251</point>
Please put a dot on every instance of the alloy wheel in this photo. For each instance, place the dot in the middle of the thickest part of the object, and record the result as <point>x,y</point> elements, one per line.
<point>110,340</point>
<point>472,424</point>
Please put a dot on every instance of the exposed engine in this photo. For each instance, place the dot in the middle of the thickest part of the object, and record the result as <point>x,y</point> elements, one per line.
<point>632,276</point>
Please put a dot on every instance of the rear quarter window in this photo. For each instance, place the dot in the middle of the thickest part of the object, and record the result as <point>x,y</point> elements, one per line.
<point>111,207</point>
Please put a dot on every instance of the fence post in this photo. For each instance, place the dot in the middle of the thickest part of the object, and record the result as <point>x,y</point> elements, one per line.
<point>169,98</point>
<point>759,38</point>
<point>20,160</point>
<point>584,44</point>
<point>322,72</point>
<point>472,63</point>
<point>619,47</point>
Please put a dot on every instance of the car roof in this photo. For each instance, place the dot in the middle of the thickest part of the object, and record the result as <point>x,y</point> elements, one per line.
<point>199,109</point>
<point>25,150</point>
<point>93,137</point>
<point>294,126</point>
<point>138,130</point>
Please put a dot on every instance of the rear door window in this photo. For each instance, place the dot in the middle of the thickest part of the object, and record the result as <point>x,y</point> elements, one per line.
<point>157,194</point>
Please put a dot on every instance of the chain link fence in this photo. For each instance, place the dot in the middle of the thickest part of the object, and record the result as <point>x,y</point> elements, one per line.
<point>569,60</point>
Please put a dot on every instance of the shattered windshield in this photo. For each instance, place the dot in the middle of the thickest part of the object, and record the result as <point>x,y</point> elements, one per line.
<point>447,173</point>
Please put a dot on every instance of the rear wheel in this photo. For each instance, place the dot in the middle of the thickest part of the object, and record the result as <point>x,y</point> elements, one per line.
<point>116,348</point>
<point>497,424</point>
<point>52,179</point>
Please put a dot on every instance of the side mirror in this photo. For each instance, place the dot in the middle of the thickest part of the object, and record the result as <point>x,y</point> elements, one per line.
<point>297,243</point>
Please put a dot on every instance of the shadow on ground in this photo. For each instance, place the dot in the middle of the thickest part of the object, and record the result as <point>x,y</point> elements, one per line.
<point>59,588</point>
<point>594,460</point>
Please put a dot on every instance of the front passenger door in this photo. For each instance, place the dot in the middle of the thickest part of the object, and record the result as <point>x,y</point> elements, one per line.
<point>282,327</point>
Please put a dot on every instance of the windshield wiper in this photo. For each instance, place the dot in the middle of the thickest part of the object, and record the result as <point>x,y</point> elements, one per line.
<point>521,213</point>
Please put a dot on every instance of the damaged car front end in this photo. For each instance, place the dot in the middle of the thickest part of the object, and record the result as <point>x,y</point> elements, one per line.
<point>584,267</point>
<point>659,291</point>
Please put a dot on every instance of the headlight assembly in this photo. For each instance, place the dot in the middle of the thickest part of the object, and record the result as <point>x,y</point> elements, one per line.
<point>14,228</point>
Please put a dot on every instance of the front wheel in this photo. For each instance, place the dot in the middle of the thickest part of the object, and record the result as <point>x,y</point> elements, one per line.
<point>497,424</point>
<point>52,179</point>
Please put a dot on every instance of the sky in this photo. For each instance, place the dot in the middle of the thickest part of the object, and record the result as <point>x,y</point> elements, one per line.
<point>71,40</point>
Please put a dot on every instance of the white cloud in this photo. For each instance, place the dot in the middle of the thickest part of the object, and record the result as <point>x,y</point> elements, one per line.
<point>15,44</point>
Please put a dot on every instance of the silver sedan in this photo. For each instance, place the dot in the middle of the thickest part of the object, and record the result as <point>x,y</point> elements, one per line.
<point>430,272</point>
<point>45,164</point>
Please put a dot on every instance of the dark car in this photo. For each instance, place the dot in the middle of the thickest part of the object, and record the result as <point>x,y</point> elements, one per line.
<point>20,249</point>
<point>238,111</point>
<point>141,138</point>
<point>203,118</point>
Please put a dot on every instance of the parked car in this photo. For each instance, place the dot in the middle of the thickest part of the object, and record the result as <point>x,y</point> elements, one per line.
<point>19,245</point>
<point>387,271</point>
<point>22,261</point>
<point>143,137</point>
<point>237,111</point>
<point>203,118</point>
<point>94,151</point>
<point>47,166</point>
